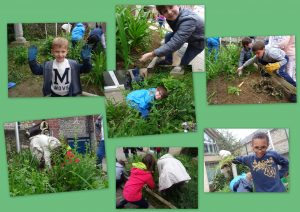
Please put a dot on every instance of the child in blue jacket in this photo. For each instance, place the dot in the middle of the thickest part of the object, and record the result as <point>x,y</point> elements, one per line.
<point>263,165</point>
<point>142,99</point>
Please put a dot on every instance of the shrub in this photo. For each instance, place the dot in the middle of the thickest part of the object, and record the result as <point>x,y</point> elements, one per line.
<point>19,55</point>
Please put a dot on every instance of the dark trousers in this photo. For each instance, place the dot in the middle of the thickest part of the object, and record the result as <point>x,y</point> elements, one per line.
<point>142,203</point>
<point>190,53</point>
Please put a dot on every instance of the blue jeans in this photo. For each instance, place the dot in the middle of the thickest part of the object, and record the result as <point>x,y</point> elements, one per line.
<point>100,152</point>
<point>282,72</point>
<point>190,53</point>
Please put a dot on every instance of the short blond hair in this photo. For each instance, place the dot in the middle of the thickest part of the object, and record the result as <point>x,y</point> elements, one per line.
<point>60,42</point>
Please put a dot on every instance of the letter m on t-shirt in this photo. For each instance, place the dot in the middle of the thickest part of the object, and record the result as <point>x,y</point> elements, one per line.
<point>62,77</point>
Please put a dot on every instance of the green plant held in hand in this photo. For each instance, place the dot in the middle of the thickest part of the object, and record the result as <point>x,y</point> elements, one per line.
<point>234,90</point>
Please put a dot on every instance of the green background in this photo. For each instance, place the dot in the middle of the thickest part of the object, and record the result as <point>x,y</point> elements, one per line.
<point>223,18</point>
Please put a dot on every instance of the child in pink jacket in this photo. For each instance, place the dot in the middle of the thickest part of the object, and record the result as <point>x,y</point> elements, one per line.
<point>140,175</point>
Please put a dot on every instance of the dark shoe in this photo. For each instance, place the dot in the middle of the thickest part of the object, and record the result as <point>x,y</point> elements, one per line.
<point>293,98</point>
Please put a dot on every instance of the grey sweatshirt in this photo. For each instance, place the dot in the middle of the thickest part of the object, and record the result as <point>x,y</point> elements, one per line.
<point>188,27</point>
<point>271,55</point>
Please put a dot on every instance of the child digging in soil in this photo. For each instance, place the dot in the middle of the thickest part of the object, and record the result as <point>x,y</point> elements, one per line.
<point>142,99</point>
<point>263,165</point>
<point>271,60</point>
<point>187,27</point>
<point>62,75</point>
<point>140,175</point>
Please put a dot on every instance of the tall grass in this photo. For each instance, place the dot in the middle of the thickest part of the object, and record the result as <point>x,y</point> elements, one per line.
<point>132,32</point>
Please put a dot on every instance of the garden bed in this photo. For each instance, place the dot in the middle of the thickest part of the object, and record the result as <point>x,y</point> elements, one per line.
<point>217,91</point>
<point>224,86</point>
<point>166,116</point>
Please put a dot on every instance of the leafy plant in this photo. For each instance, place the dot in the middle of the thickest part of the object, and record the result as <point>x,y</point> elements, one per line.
<point>234,90</point>
<point>177,108</point>
<point>132,32</point>
<point>67,174</point>
<point>20,55</point>
<point>95,77</point>
<point>226,62</point>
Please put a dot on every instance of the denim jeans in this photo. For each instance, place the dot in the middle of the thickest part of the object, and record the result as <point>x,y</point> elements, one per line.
<point>190,53</point>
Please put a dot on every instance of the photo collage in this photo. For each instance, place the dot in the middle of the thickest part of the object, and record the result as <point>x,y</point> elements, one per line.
<point>150,97</point>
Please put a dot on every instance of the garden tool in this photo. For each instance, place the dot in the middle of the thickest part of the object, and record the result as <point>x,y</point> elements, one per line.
<point>32,53</point>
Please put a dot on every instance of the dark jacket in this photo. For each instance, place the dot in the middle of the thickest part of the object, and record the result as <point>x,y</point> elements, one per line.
<point>265,172</point>
<point>45,69</point>
<point>188,27</point>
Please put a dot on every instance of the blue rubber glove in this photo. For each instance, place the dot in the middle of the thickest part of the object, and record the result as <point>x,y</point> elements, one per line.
<point>32,53</point>
<point>86,52</point>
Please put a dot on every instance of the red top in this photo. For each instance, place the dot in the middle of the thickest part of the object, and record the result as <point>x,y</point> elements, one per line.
<point>133,187</point>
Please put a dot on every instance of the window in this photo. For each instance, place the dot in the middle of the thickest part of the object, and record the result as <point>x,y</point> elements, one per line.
<point>210,146</point>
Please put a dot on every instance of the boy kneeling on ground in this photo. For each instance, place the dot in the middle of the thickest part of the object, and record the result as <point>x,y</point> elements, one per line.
<point>143,99</point>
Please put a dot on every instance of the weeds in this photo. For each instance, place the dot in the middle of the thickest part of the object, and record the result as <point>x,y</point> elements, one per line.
<point>95,77</point>
<point>225,64</point>
<point>166,116</point>
<point>233,90</point>
<point>25,178</point>
<point>132,32</point>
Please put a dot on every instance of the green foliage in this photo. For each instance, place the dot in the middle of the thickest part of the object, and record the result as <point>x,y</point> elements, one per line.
<point>25,178</point>
<point>95,77</point>
<point>233,90</point>
<point>166,116</point>
<point>187,195</point>
<point>17,64</point>
<point>19,54</point>
<point>241,168</point>
<point>46,48</point>
<point>132,32</point>
<point>225,64</point>
<point>74,53</point>
<point>219,182</point>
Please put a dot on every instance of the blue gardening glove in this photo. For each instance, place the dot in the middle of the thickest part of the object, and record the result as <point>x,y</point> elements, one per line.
<point>86,52</point>
<point>32,53</point>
